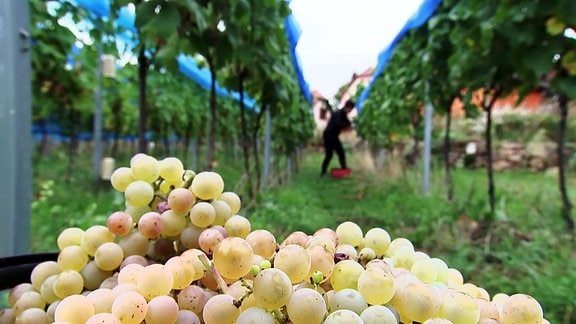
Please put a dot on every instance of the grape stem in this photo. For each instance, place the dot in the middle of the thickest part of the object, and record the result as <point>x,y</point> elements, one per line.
<point>210,268</point>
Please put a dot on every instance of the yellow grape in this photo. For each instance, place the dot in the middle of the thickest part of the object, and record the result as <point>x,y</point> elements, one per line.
<point>378,314</point>
<point>321,260</point>
<point>139,193</point>
<point>191,259</point>
<point>94,276</point>
<point>29,299</point>
<point>343,316</point>
<point>47,290</point>
<point>348,298</point>
<point>144,167</point>
<point>233,257</point>
<point>404,257</point>
<point>162,310</point>
<point>233,200</point>
<point>42,271</point>
<point>222,212</point>
<point>347,250</point>
<point>69,236</point>
<point>396,243</point>
<point>171,169</point>
<point>103,318</point>
<point>298,237</point>
<point>425,269</point>
<point>137,212</point>
<point>130,273</point>
<point>488,309</point>
<point>174,223</point>
<point>441,270</point>
<point>207,185</point>
<point>182,273</point>
<point>102,299</point>
<point>378,240</point>
<point>180,200</point>
<point>187,317</point>
<point>295,261</point>
<point>454,278</point>
<point>155,280</point>
<point>134,244</point>
<point>121,178</point>
<point>376,285</point>
<point>202,214</point>
<point>324,241</point>
<point>109,256</point>
<point>238,225</point>
<point>262,242</point>
<point>95,236</point>
<point>272,288</point>
<point>349,233</point>
<point>459,308</point>
<point>346,274</point>
<point>74,309</point>
<point>189,237</point>
<point>522,308</point>
<point>68,282</point>
<point>306,306</point>
<point>32,316</point>
<point>254,314</point>
<point>417,301</point>
<point>130,307</point>
<point>220,309</point>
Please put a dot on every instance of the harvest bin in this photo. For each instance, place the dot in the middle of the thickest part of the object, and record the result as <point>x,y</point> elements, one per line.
<point>15,270</point>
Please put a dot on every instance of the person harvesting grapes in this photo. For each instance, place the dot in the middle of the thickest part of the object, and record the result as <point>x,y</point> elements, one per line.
<point>338,122</point>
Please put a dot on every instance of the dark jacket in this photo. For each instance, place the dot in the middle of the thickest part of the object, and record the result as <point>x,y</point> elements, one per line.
<point>338,121</point>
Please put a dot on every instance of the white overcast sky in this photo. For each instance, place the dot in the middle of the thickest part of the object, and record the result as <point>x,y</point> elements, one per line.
<point>342,37</point>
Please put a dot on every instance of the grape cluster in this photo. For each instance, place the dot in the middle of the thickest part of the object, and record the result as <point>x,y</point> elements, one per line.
<point>180,253</point>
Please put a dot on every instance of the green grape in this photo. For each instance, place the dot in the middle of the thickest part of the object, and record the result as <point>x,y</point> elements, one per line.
<point>272,288</point>
<point>137,212</point>
<point>343,316</point>
<point>95,236</point>
<point>233,257</point>
<point>348,298</point>
<point>94,276</point>
<point>378,240</point>
<point>441,270</point>
<point>102,299</point>
<point>144,167</point>
<point>181,272</point>
<point>69,282</point>
<point>189,236</point>
<point>378,314</point>
<point>121,178</point>
<point>162,309</point>
<point>220,309</point>
<point>130,307</point>
<point>222,212</point>
<point>174,223</point>
<point>171,169</point>
<point>346,274</point>
<point>256,315</point>
<point>522,308</point>
<point>139,193</point>
<point>155,280</point>
<point>109,256</point>
<point>295,261</point>
<point>181,200</point>
<point>202,214</point>
<point>207,185</point>
<point>262,242</point>
<point>74,309</point>
<point>238,226</point>
<point>69,236</point>
<point>350,233</point>
<point>29,299</point>
<point>233,200</point>
<point>42,271</point>
<point>376,285</point>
